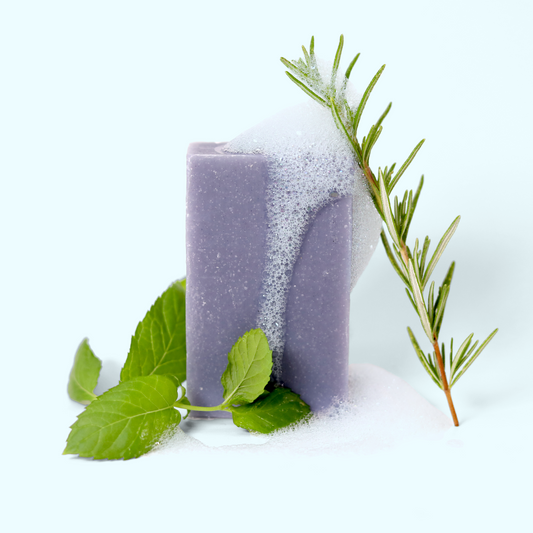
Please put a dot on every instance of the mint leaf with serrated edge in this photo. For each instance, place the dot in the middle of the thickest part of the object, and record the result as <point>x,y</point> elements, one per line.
<point>158,346</point>
<point>277,410</point>
<point>84,374</point>
<point>127,420</point>
<point>248,370</point>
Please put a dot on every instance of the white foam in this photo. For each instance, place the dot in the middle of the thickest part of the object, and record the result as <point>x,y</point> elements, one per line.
<point>383,412</point>
<point>311,163</point>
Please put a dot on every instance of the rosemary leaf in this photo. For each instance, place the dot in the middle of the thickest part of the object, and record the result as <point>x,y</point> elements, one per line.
<point>364,100</point>
<point>425,363</point>
<point>440,250</point>
<point>340,124</point>
<point>337,60</point>
<point>291,66</point>
<point>425,249</point>
<point>394,264</point>
<point>411,299</point>
<point>351,66</point>
<point>474,357</point>
<point>431,303</point>
<point>391,226</point>
<point>306,55</point>
<point>447,282</point>
<point>408,161</point>
<point>422,313</point>
<point>439,308</point>
<point>459,355</point>
<point>307,90</point>
<point>413,207</point>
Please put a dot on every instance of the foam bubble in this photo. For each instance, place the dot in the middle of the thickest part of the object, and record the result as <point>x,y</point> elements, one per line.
<point>311,164</point>
<point>382,411</point>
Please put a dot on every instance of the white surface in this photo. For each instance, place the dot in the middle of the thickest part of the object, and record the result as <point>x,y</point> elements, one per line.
<point>98,102</point>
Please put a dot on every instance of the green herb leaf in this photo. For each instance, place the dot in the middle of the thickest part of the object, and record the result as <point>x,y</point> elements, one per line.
<point>395,265</point>
<point>306,55</point>
<point>312,47</point>
<point>351,66</point>
<point>127,420</point>
<point>277,410</point>
<point>404,167</point>
<point>183,402</point>
<point>387,213</point>
<point>443,296</point>
<point>474,357</point>
<point>425,362</point>
<point>337,61</point>
<point>419,300</point>
<point>340,124</point>
<point>364,100</point>
<point>307,90</point>
<point>84,374</point>
<point>158,346</point>
<point>412,211</point>
<point>248,370</point>
<point>440,250</point>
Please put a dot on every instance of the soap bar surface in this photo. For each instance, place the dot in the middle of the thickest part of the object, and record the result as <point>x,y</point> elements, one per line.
<point>227,228</point>
<point>226,231</point>
<point>316,357</point>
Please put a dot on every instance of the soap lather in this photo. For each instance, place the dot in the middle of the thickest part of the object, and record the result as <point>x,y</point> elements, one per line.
<point>278,232</point>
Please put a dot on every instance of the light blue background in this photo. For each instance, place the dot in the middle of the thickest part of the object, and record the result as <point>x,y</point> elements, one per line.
<point>98,102</point>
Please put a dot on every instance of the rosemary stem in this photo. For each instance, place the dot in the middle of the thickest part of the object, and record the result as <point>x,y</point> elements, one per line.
<point>405,255</point>
<point>373,185</point>
<point>445,382</point>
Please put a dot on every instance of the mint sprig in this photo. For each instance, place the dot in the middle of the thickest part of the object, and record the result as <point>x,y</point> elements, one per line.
<point>84,374</point>
<point>248,372</point>
<point>126,421</point>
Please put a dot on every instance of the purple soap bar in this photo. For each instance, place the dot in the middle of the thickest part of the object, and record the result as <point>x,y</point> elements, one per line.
<point>227,228</point>
<point>316,356</point>
<point>226,232</point>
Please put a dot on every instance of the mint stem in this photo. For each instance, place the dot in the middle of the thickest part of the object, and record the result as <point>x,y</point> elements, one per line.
<point>198,408</point>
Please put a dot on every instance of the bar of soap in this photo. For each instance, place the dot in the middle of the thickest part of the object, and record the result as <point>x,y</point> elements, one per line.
<point>316,356</point>
<point>280,226</point>
<point>226,232</point>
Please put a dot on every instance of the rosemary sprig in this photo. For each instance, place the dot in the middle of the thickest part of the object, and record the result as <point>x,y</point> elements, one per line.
<point>409,264</point>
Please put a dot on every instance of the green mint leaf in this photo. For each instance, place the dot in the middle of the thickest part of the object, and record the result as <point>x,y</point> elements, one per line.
<point>158,346</point>
<point>279,409</point>
<point>84,374</point>
<point>248,370</point>
<point>127,420</point>
<point>183,282</point>
<point>183,401</point>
